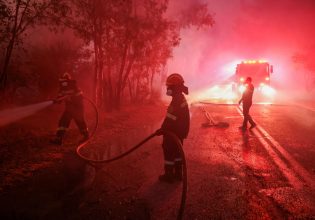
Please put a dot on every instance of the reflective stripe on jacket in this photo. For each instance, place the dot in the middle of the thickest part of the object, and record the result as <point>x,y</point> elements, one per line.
<point>177,118</point>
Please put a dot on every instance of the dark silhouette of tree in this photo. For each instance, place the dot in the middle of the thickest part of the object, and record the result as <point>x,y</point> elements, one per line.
<point>49,60</point>
<point>17,16</point>
<point>306,60</point>
<point>132,41</point>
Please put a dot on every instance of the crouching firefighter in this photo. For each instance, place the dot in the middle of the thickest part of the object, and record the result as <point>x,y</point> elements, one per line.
<point>177,121</point>
<point>74,109</point>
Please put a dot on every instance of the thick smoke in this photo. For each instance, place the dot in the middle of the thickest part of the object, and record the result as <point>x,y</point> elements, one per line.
<point>246,29</point>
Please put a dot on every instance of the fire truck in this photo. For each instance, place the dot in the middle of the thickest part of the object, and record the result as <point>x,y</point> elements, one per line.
<point>260,72</point>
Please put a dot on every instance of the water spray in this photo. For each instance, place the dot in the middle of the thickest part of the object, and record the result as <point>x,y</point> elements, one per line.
<point>9,116</point>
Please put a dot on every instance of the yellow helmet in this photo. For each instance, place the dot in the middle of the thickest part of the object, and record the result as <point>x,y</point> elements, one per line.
<point>174,79</point>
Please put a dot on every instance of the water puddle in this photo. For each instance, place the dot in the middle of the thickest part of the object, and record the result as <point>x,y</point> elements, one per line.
<point>104,149</point>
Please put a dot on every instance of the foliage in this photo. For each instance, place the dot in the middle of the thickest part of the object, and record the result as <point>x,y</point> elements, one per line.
<point>306,60</point>
<point>130,40</point>
<point>17,16</point>
<point>197,16</point>
<point>49,61</point>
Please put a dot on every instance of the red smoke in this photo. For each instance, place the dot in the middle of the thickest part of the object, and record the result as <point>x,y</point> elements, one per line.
<point>246,29</point>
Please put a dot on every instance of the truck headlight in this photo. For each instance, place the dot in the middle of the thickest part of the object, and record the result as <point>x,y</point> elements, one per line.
<point>268,91</point>
<point>241,88</point>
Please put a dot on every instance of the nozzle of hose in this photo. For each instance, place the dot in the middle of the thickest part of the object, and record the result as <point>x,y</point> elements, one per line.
<point>58,100</point>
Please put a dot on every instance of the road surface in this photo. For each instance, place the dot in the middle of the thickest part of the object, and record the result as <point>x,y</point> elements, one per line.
<point>265,173</point>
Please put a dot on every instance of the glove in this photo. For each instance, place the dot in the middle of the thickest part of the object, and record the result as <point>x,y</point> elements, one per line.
<point>159,132</point>
<point>58,100</point>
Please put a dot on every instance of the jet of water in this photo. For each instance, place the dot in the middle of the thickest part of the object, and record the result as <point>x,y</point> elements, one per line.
<point>11,115</point>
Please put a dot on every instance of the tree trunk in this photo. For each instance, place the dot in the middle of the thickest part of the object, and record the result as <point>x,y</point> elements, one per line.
<point>4,74</point>
<point>120,77</point>
<point>137,89</point>
<point>101,76</point>
<point>130,90</point>
<point>108,75</point>
<point>128,70</point>
<point>151,82</point>
<point>95,72</point>
<point>8,53</point>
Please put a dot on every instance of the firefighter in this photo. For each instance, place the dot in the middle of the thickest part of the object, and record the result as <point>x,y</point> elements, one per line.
<point>247,103</point>
<point>177,121</point>
<point>72,95</point>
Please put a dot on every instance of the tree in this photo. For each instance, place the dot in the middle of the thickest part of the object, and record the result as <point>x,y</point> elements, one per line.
<point>306,60</point>
<point>17,16</point>
<point>4,19</point>
<point>132,41</point>
<point>48,61</point>
<point>197,15</point>
<point>88,19</point>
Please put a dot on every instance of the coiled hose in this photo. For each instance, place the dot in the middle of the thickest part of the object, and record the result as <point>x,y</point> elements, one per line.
<point>181,209</point>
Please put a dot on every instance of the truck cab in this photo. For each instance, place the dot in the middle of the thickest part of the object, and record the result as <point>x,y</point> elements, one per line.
<point>259,70</point>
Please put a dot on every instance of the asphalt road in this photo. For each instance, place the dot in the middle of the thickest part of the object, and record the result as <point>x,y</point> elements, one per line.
<point>265,173</point>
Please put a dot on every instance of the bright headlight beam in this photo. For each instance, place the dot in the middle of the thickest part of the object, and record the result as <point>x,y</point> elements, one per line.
<point>268,91</point>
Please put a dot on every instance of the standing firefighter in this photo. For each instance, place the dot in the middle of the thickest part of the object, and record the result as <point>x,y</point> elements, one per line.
<point>74,109</point>
<point>177,121</point>
<point>247,103</point>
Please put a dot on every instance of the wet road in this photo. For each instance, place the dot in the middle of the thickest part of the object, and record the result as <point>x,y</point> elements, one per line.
<point>265,173</point>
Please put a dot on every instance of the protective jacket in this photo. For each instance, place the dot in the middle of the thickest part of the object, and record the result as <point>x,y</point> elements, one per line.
<point>177,118</point>
<point>68,87</point>
<point>74,107</point>
<point>248,94</point>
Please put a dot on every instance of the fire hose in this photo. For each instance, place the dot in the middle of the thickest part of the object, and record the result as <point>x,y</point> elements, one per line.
<point>181,209</point>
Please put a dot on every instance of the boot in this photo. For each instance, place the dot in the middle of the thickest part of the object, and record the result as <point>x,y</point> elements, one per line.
<point>252,126</point>
<point>56,141</point>
<point>252,123</point>
<point>243,128</point>
<point>179,170</point>
<point>61,131</point>
<point>85,137</point>
<point>168,176</point>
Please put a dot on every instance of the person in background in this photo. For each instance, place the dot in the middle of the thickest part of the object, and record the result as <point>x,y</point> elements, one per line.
<point>74,109</point>
<point>247,100</point>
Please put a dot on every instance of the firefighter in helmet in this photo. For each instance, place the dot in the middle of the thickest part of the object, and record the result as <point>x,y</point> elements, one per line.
<point>72,95</point>
<point>247,103</point>
<point>177,121</point>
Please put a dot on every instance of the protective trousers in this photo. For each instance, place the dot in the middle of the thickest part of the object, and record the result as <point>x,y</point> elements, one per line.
<point>172,157</point>
<point>77,114</point>
<point>247,117</point>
